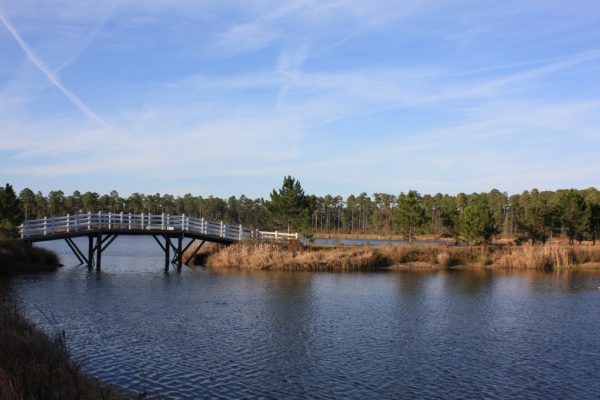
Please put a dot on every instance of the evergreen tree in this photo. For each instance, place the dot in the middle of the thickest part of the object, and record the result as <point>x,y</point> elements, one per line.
<point>27,200</point>
<point>289,205</point>
<point>410,214</point>
<point>574,214</point>
<point>10,210</point>
<point>594,221</point>
<point>476,222</point>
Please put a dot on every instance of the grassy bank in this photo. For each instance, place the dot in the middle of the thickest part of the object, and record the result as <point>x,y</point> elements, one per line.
<point>293,257</point>
<point>36,366</point>
<point>15,257</point>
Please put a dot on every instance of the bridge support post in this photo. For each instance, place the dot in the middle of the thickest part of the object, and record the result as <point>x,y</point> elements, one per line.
<point>179,250</point>
<point>90,251</point>
<point>167,252</point>
<point>99,251</point>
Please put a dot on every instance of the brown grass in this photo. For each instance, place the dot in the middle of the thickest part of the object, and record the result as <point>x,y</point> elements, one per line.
<point>549,256</point>
<point>15,257</point>
<point>36,366</point>
<point>270,256</point>
<point>293,257</point>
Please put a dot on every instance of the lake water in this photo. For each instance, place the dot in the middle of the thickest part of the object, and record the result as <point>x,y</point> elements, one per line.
<point>200,333</point>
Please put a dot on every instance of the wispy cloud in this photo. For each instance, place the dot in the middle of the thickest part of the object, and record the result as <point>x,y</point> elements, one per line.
<point>346,95</point>
<point>43,68</point>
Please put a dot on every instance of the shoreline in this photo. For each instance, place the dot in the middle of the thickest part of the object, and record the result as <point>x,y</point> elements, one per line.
<point>292,256</point>
<point>35,364</point>
<point>16,258</point>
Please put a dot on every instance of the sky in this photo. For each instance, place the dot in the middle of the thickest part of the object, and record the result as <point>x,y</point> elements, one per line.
<point>228,97</point>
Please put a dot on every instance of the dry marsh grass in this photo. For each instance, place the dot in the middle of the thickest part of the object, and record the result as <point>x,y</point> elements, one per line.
<point>15,257</point>
<point>270,256</point>
<point>36,366</point>
<point>293,257</point>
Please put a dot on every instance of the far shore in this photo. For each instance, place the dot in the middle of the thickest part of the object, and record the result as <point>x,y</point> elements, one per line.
<point>501,240</point>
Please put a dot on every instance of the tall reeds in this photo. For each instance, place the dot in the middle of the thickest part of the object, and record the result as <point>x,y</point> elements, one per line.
<point>36,366</point>
<point>15,257</point>
<point>272,256</point>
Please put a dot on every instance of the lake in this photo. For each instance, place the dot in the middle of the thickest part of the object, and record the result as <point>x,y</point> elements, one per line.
<point>202,333</point>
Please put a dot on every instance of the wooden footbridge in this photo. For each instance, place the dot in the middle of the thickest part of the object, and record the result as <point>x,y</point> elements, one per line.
<point>169,231</point>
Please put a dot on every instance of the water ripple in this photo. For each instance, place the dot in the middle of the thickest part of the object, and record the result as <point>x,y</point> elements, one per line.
<point>224,334</point>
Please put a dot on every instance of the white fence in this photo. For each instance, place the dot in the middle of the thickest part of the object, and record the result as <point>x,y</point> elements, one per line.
<point>107,222</point>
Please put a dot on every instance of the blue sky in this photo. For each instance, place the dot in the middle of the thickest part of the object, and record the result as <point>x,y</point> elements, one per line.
<point>225,98</point>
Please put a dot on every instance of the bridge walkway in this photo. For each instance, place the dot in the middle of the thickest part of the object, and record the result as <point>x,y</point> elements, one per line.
<point>169,231</point>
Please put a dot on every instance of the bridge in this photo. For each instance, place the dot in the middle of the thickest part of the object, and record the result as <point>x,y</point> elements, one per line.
<point>169,231</point>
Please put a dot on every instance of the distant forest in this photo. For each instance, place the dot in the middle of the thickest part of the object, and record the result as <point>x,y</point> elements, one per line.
<point>533,215</point>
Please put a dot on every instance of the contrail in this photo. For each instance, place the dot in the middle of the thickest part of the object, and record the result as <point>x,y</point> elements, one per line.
<point>51,77</point>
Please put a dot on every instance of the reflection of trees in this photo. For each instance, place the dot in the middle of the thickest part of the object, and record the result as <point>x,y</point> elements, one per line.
<point>475,281</point>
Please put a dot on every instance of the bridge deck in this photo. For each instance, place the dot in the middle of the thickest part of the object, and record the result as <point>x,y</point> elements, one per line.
<point>103,228</point>
<point>132,232</point>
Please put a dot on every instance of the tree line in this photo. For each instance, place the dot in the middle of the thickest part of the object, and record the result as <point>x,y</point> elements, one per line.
<point>534,215</point>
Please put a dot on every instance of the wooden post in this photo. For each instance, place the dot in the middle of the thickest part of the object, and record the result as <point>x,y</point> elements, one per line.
<point>99,251</point>
<point>90,251</point>
<point>89,220</point>
<point>163,221</point>
<point>45,225</point>
<point>183,222</point>
<point>121,222</point>
<point>129,221</point>
<point>241,235</point>
<point>275,235</point>
<point>142,220</point>
<point>202,226</point>
<point>68,226</point>
<point>109,220</point>
<point>179,250</point>
<point>222,230</point>
<point>99,220</point>
<point>167,251</point>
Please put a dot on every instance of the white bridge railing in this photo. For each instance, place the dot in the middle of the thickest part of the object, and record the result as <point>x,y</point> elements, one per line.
<point>107,222</point>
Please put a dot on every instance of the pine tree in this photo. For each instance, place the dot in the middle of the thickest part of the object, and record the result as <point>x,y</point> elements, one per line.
<point>574,214</point>
<point>289,205</point>
<point>476,222</point>
<point>410,215</point>
<point>10,210</point>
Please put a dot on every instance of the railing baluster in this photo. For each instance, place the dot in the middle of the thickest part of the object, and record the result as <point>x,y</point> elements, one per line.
<point>183,223</point>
